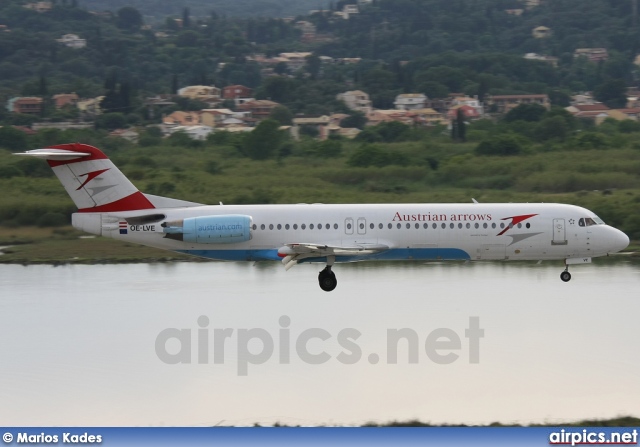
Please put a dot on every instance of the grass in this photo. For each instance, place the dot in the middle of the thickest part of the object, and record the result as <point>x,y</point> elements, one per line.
<point>33,245</point>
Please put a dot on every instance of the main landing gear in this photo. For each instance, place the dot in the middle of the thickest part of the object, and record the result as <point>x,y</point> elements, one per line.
<point>326,277</point>
<point>565,276</point>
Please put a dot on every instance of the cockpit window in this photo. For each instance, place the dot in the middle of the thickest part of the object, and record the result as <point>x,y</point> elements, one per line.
<point>590,221</point>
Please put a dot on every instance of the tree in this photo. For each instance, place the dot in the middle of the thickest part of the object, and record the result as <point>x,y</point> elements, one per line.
<point>525,112</point>
<point>186,18</point>
<point>612,92</point>
<point>129,19</point>
<point>264,141</point>
<point>355,119</point>
<point>506,144</point>
<point>12,138</point>
<point>281,114</point>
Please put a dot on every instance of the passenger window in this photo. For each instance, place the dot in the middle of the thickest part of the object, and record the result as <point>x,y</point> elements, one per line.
<point>434,226</point>
<point>380,226</point>
<point>335,226</point>
<point>484,225</point>
<point>399,226</point>
<point>528,225</point>
<point>279,226</point>
<point>319,226</point>
<point>311,226</point>
<point>271,226</point>
<point>519,225</point>
<point>295,226</point>
<point>362,226</point>
<point>286,227</point>
<point>303,226</point>
<point>493,225</point>
<point>501,224</point>
<point>408,226</point>
<point>262,227</point>
<point>451,226</point>
<point>255,227</point>
<point>444,225</point>
<point>348,226</point>
<point>425,226</point>
<point>477,225</point>
<point>372,226</point>
<point>460,226</point>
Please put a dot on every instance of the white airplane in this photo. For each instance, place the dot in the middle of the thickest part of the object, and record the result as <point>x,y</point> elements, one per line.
<point>110,205</point>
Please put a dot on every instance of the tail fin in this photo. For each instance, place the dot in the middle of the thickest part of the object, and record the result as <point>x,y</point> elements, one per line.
<point>94,183</point>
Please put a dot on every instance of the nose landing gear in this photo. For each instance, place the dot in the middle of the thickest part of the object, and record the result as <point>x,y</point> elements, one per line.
<point>565,276</point>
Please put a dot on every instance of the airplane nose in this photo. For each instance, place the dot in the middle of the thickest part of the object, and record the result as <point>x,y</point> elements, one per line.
<point>620,241</point>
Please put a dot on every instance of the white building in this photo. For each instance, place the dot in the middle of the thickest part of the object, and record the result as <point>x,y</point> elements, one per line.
<point>356,100</point>
<point>194,132</point>
<point>410,101</point>
<point>72,41</point>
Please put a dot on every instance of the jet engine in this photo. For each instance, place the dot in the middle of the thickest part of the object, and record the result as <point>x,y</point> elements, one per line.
<point>227,229</point>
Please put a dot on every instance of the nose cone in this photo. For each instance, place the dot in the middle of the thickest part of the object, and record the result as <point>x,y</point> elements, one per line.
<point>618,241</point>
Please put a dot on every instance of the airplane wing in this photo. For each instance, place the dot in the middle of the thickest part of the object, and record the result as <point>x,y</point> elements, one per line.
<point>293,253</point>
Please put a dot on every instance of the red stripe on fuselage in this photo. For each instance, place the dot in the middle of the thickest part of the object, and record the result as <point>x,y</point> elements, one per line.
<point>136,201</point>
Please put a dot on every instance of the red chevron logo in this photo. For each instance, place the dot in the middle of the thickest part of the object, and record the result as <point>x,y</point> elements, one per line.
<point>91,176</point>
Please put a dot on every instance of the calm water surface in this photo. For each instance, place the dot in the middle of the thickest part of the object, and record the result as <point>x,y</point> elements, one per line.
<point>78,343</point>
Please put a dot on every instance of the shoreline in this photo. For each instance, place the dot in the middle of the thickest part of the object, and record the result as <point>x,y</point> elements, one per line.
<point>66,246</point>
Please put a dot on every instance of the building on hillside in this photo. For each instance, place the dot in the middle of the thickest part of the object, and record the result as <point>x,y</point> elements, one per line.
<point>504,103</point>
<point>385,116</point>
<point>428,117</point>
<point>194,132</point>
<point>128,134</point>
<point>64,125</point>
<point>537,57</point>
<point>410,101</point>
<point>65,99</point>
<point>295,61</point>
<point>321,123</point>
<point>471,102</point>
<point>236,92</point>
<point>90,108</point>
<point>356,100</point>
<point>180,118</point>
<point>72,41</point>
<point>259,109</point>
<point>592,54</point>
<point>468,112</point>
<point>216,117</point>
<point>541,32</point>
<point>586,110</point>
<point>205,93</point>
<point>28,105</point>
<point>40,6</point>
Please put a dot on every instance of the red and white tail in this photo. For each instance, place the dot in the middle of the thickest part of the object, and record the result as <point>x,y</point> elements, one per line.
<point>94,183</point>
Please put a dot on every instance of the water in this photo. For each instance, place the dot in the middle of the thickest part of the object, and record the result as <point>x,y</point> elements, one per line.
<point>79,343</point>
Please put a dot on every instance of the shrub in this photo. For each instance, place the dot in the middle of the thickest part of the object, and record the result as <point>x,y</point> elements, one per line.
<point>504,145</point>
<point>9,172</point>
<point>53,220</point>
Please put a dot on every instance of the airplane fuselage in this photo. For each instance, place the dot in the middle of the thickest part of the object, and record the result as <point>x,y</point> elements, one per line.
<point>410,231</point>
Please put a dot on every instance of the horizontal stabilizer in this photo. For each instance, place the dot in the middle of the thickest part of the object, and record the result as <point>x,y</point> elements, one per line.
<point>54,154</point>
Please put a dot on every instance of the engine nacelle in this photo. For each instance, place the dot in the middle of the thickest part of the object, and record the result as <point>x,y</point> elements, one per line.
<point>227,229</point>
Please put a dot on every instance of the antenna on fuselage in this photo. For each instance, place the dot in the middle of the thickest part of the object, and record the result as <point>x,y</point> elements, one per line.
<point>474,200</point>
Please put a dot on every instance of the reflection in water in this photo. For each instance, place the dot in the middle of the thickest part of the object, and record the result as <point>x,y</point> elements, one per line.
<point>79,343</point>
